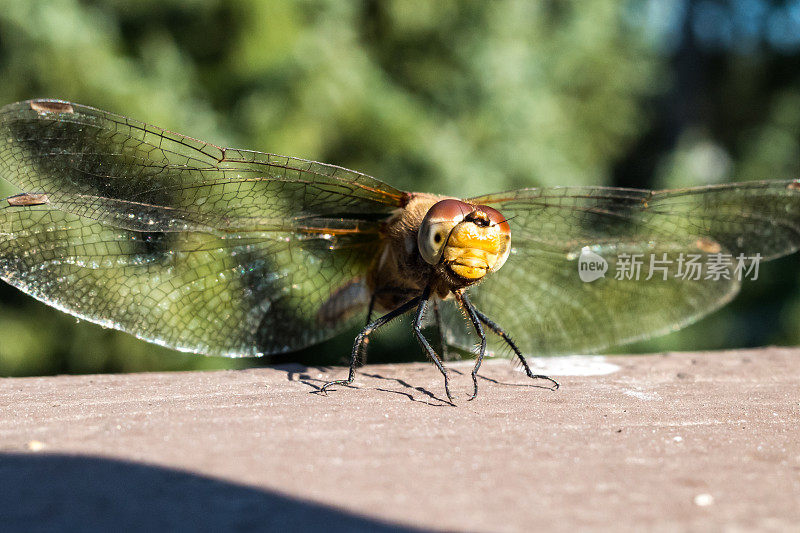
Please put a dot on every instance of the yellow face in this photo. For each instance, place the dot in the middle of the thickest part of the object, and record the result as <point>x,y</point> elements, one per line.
<point>471,240</point>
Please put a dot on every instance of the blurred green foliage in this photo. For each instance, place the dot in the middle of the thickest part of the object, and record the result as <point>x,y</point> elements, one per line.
<point>452,97</point>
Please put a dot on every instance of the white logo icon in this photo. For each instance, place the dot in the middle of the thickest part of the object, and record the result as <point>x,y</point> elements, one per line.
<point>591,266</point>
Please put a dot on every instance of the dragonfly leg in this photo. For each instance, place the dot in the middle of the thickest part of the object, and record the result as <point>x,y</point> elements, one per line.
<point>361,340</point>
<point>499,331</point>
<point>438,317</point>
<point>371,307</point>
<point>423,304</point>
<point>476,322</point>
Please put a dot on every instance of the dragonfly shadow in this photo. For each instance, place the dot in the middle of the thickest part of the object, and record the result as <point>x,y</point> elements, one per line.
<point>303,374</point>
<point>531,385</point>
<point>410,396</point>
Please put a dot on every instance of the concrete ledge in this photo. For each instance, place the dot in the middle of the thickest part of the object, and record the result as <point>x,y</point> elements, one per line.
<point>676,441</point>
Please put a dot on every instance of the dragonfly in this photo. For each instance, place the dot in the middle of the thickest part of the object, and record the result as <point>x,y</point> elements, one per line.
<point>231,252</point>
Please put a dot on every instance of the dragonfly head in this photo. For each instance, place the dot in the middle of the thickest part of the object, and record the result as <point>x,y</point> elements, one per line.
<point>470,240</point>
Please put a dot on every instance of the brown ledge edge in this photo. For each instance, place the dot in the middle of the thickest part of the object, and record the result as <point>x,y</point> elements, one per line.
<point>665,441</point>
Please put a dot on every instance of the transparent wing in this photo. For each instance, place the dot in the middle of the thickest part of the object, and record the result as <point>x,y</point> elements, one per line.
<point>114,169</point>
<point>183,243</point>
<point>540,299</point>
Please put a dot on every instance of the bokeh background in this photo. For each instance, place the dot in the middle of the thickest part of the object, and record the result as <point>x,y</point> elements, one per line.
<point>455,97</point>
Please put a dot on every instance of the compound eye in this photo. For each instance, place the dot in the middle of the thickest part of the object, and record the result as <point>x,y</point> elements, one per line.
<point>502,232</point>
<point>435,229</point>
<point>496,218</point>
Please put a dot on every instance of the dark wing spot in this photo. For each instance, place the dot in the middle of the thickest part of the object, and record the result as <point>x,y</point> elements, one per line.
<point>26,199</point>
<point>47,106</point>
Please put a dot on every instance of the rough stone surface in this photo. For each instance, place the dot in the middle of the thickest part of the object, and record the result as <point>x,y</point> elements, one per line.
<point>678,441</point>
